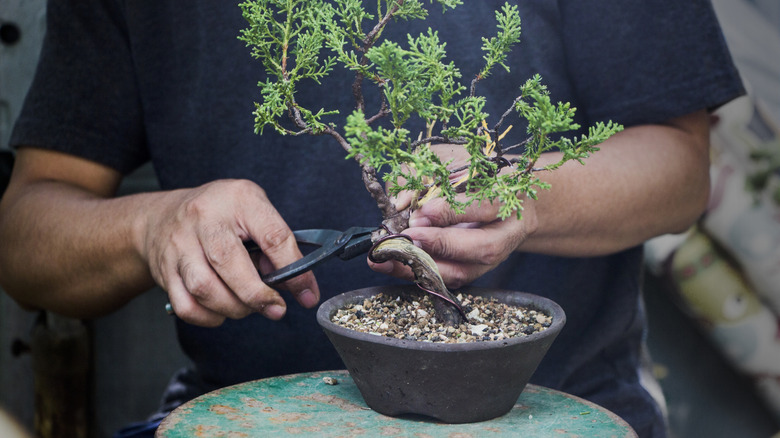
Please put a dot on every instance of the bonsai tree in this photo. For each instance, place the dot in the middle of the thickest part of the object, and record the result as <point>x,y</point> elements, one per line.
<point>305,40</point>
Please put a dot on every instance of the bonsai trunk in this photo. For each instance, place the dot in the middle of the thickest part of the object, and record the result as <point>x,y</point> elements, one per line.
<point>389,245</point>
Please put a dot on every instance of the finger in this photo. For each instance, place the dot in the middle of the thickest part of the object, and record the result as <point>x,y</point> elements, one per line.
<point>437,213</point>
<point>486,245</point>
<point>187,308</point>
<point>393,268</point>
<point>278,245</point>
<point>166,273</point>
<point>403,200</point>
<point>457,275</point>
<point>208,289</point>
<point>234,274</point>
<point>306,297</point>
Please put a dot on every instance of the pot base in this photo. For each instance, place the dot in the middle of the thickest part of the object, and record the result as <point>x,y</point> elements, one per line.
<point>453,383</point>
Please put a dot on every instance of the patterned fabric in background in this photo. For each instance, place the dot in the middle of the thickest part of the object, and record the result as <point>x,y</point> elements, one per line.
<point>725,271</point>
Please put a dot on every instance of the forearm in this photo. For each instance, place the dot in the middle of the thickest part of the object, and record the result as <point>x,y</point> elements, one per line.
<point>645,181</point>
<point>71,247</point>
<point>71,251</point>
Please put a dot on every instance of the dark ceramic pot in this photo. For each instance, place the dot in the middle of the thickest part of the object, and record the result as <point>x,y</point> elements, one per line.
<point>454,383</point>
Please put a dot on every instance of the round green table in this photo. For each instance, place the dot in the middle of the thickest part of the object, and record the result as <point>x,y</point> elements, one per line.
<point>307,405</point>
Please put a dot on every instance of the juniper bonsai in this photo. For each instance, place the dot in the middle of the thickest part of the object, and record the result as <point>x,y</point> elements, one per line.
<point>305,40</point>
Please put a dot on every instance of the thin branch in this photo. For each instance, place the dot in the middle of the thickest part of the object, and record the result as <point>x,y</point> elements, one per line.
<point>339,139</point>
<point>517,145</point>
<point>383,112</point>
<point>473,87</point>
<point>368,42</point>
<point>459,169</point>
<point>372,36</point>
<point>506,114</point>
<point>297,133</point>
<point>357,89</point>
<point>432,139</point>
<point>295,115</point>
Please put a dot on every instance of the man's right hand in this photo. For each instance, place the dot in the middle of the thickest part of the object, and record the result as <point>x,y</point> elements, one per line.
<point>193,244</point>
<point>71,247</point>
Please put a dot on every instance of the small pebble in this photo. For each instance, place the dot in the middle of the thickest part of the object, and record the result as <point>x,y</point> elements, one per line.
<point>330,381</point>
<point>413,318</point>
<point>478,329</point>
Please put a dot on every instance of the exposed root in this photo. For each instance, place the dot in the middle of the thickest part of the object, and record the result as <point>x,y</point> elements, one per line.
<point>426,274</point>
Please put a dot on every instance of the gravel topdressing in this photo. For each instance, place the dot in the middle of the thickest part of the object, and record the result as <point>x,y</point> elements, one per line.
<point>412,318</point>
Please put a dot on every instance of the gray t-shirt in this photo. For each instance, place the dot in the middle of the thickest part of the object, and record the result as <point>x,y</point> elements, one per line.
<point>126,82</point>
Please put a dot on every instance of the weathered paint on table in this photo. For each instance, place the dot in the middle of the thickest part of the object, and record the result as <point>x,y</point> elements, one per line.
<point>304,405</point>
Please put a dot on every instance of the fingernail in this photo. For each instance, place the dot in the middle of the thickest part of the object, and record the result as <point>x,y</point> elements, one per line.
<point>307,298</point>
<point>274,312</point>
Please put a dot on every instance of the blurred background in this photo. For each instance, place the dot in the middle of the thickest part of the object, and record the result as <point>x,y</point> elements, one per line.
<point>712,294</point>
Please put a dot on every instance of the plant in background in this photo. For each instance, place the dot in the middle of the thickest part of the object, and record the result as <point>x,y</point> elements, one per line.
<point>304,40</point>
<point>767,168</point>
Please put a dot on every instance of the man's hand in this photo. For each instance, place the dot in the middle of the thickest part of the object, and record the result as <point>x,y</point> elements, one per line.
<point>464,246</point>
<point>193,245</point>
<point>71,247</point>
<point>645,181</point>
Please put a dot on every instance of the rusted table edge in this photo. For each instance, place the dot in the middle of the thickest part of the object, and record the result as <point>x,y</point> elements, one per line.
<point>169,422</point>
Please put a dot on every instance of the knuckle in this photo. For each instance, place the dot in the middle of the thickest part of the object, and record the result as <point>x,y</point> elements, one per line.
<point>187,311</point>
<point>201,287</point>
<point>245,185</point>
<point>196,206</point>
<point>220,251</point>
<point>439,247</point>
<point>198,284</point>
<point>275,238</point>
<point>244,188</point>
<point>492,255</point>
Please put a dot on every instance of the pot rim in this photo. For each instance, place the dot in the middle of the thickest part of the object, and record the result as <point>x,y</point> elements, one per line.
<point>329,307</point>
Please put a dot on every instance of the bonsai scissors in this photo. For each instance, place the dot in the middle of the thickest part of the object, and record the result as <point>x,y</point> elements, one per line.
<point>343,244</point>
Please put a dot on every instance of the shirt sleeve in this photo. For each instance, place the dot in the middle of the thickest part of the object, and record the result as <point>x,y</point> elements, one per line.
<point>84,99</point>
<point>646,61</point>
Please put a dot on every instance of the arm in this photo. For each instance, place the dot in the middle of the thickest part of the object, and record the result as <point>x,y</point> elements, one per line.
<point>645,181</point>
<point>71,248</point>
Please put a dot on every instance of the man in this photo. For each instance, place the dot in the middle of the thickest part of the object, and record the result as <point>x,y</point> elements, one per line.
<point>122,84</point>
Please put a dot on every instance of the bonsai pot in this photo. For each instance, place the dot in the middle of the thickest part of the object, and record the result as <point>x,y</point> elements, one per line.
<point>452,382</point>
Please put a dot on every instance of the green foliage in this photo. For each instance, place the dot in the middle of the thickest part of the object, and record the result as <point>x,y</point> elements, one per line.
<point>302,40</point>
<point>286,36</point>
<point>497,48</point>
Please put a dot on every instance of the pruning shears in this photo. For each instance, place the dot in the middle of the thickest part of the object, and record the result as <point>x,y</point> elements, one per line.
<point>342,244</point>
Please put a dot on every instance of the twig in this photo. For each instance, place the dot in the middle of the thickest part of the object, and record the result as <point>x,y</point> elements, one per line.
<point>517,145</point>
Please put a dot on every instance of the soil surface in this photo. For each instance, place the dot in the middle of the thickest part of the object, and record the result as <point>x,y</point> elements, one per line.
<point>412,317</point>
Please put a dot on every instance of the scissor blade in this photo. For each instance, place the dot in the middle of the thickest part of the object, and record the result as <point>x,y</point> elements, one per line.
<point>346,245</point>
<point>317,236</point>
<point>300,266</point>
